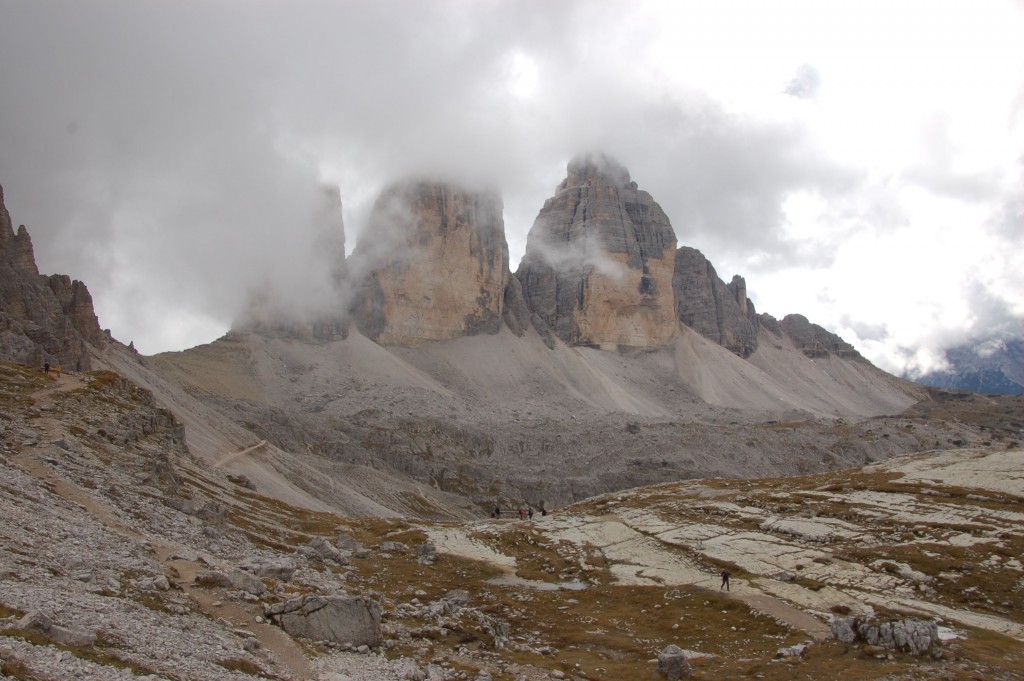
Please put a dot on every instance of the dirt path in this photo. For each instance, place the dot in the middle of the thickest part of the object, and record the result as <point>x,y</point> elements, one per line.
<point>236,455</point>
<point>179,571</point>
<point>240,616</point>
<point>783,611</point>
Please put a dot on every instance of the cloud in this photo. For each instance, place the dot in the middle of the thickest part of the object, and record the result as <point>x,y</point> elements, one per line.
<point>805,84</point>
<point>173,155</point>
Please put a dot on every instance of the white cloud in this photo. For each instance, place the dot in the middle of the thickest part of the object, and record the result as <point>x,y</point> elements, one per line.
<point>170,154</point>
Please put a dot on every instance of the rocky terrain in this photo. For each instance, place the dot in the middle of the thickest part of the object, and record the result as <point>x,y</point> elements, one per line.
<point>125,556</point>
<point>308,497</point>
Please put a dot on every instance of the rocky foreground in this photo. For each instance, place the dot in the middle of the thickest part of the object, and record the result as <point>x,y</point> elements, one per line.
<point>124,557</point>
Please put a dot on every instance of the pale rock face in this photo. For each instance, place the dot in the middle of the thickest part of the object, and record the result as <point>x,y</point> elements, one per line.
<point>432,266</point>
<point>599,261</point>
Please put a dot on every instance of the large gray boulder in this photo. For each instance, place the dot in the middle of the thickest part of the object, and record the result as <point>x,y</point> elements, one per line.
<point>335,619</point>
<point>320,549</point>
<point>38,621</point>
<point>280,569</point>
<point>673,665</point>
<point>231,579</point>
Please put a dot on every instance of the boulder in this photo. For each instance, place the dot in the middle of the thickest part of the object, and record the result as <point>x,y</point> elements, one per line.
<point>350,547</point>
<point>393,547</point>
<point>337,619</point>
<point>231,579</point>
<point>319,548</point>
<point>673,665</point>
<point>450,603</point>
<point>797,650</point>
<point>426,553</point>
<point>407,670</point>
<point>279,569</point>
<point>38,621</point>
<point>909,635</point>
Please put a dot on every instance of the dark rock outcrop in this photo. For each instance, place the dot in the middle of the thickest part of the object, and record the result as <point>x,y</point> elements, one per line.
<point>718,311</point>
<point>599,261</point>
<point>42,318</point>
<point>811,339</point>
<point>432,265</point>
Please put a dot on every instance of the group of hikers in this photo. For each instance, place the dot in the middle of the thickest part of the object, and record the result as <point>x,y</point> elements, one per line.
<point>525,512</point>
<point>47,369</point>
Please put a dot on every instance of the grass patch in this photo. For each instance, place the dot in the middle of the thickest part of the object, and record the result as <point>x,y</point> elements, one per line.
<point>237,664</point>
<point>100,653</point>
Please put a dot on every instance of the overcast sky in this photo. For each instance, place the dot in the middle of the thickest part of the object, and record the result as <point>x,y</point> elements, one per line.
<point>858,162</point>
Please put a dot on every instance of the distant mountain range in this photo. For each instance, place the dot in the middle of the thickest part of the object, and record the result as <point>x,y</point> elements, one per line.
<point>994,367</point>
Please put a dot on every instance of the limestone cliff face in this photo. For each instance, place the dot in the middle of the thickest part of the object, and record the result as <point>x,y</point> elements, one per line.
<point>42,319</point>
<point>433,265</point>
<point>599,261</point>
<point>720,312</point>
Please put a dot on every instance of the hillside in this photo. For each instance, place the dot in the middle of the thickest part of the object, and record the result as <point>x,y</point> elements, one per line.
<point>123,555</point>
<point>502,419</point>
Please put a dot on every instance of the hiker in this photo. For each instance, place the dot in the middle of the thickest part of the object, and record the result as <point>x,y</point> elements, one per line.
<point>58,372</point>
<point>497,512</point>
<point>529,512</point>
<point>522,513</point>
<point>46,367</point>
<point>725,580</point>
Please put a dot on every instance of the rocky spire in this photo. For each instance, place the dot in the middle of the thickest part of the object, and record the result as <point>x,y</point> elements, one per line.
<point>42,319</point>
<point>599,260</point>
<point>432,264</point>
<point>720,312</point>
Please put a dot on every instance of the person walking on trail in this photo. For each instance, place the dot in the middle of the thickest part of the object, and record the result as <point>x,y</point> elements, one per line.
<point>725,580</point>
<point>46,367</point>
<point>530,512</point>
<point>497,511</point>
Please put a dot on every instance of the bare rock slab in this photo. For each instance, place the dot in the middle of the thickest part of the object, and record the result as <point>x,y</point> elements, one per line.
<point>335,619</point>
